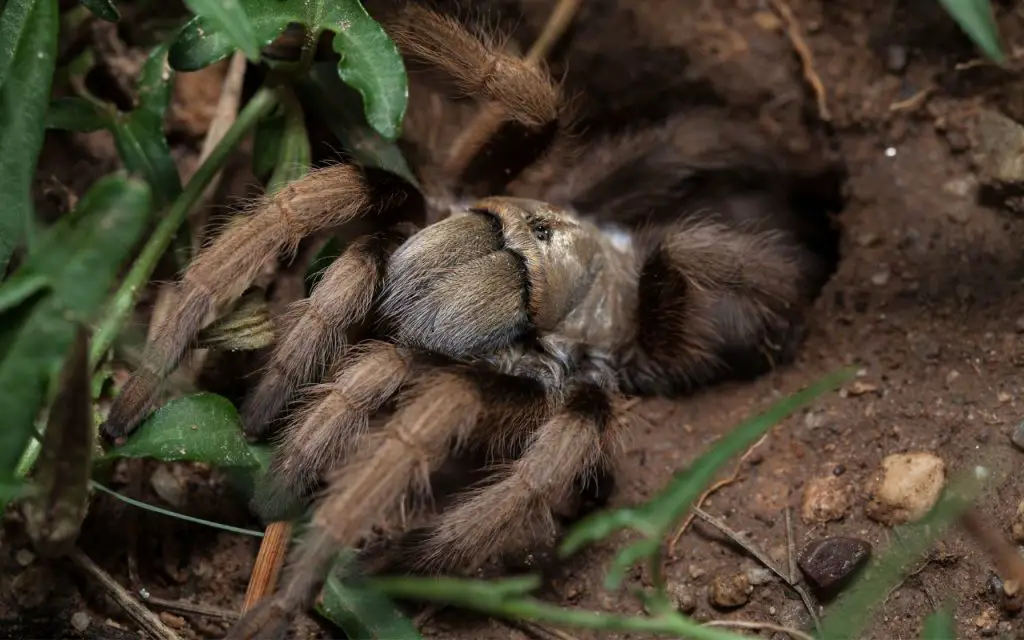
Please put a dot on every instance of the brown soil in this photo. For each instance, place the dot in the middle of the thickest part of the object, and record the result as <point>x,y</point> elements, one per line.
<point>925,302</point>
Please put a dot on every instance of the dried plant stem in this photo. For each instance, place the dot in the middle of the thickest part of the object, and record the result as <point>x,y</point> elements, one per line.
<point>758,626</point>
<point>124,298</point>
<point>188,608</point>
<point>145,618</point>
<point>796,38</point>
<point>488,120</point>
<point>271,557</point>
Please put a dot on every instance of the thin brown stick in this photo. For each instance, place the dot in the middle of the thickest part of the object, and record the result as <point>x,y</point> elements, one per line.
<point>271,557</point>
<point>790,546</point>
<point>487,121</point>
<point>537,630</point>
<point>757,626</point>
<point>796,38</point>
<point>1009,563</point>
<point>713,488</point>
<point>189,608</point>
<point>763,559</point>
<point>145,618</point>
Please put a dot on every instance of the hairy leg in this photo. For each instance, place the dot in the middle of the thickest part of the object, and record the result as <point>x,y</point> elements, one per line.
<point>317,326</point>
<point>221,272</point>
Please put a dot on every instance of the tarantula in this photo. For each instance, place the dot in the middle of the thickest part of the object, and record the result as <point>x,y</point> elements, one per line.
<point>514,325</point>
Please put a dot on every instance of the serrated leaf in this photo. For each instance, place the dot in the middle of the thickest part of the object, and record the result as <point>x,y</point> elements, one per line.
<point>76,114</point>
<point>79,256</point>
<point>203,427</point>
<point>370,61</point>
<point>341,108</point>
<point>28,52</point>
<point>363,613</point>
<point>104,9</point>
<point>371,64</point>
<point>229,18</point>
<point>976,19</point>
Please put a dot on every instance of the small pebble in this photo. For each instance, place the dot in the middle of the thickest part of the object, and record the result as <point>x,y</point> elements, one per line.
<point>1018,524</point>
<point>824,500</point>
<point>730,591</point>
<point>682,598</point>
<point>868,239</point>
<point>759,575</point>
<point>166,485</point>
<point>881,278</point>
<point>171,620</point>
<point>1019,325</point>
<point>988,622</point>
<point>829,562</point>
<point>24,557</point>
<point>1018,436</point>
<point>908,485</point>
<point>695,572</point>
<point>952,377</point>
<point>896,58</point>
<point>80,621</point>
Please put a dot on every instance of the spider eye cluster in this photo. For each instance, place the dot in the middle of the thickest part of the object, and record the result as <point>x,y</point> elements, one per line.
<point>541,230</point>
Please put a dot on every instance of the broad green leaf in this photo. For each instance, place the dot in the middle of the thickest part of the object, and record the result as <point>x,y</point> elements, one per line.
<point>79,256</point>
<point>266,144</point>
<point>341,108</point>
<point>20,287</point>
<point>655,519</point>
<point>371,64</point>
<point>229,17</point>
<point>104,9</point>
<point>976,19</point>
<point>28,51</point>
<point>370,61</point>
<point>363,613</point>
<point>204,427</point>
<point>939,625</point>
<point>76,114</point>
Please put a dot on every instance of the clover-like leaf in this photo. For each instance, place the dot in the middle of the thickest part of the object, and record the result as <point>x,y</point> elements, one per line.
<point>68,277</point>
<point>976,19</point>
<point>203,427</point>
<point>28,52</point>
<point>229,17</point>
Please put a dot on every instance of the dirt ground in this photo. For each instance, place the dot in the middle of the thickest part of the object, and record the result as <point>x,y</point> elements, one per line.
<point>925,301</point>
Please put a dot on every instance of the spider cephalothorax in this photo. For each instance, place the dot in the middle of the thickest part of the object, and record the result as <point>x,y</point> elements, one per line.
<point>514,327</point>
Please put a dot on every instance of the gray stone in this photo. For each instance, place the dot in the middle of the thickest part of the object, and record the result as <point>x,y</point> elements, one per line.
<point>730,591</point>
<point>829,562</point>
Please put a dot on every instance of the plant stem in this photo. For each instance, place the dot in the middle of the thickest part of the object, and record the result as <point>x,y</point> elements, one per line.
<point>140,273</point>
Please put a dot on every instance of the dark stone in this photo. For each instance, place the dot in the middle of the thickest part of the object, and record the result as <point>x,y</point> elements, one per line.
<point>1018,436</point>
<point>828,563</point>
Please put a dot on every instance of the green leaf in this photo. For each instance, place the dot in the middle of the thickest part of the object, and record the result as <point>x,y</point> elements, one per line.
<point>20,287</point>
<point>104,9</point>
<point>28,52</point>
<point>204,427</point>
<point>656,518</point>
<point>371,64</point>
<point>266,144</point>
<point>939,625</point>
<point>370,61</point>
<point>976,19</point>
<point>79,257</point>
<point>293,152</point>
<point>76,114</point>
<point>340,107</point>
<point>363,613</point>
<point>139,134</point>
<point>229,18</point>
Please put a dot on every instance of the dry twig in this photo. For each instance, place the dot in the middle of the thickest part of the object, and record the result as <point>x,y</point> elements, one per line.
<point>145,618</point>
<point>763,559</point>
<point>790,546</point>
<point>796,38</point>
<point>713,488</point>
<point>188,608</point>
<point>757,626</point>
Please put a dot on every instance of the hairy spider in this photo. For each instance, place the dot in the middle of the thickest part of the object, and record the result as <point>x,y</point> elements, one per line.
<point>514,325</point>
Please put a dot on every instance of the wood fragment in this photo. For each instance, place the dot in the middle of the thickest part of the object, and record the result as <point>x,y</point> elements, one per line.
<point>145,618</point>
<point>269,561</point>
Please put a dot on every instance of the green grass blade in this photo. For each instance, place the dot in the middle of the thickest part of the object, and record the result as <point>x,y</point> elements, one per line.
<point>80,257</point>
<point>363,613</point>
<point>976,19</point>
<point>229,18</point>
<point>76,114</point>
<point>28,52</point>
<point>939,625</point>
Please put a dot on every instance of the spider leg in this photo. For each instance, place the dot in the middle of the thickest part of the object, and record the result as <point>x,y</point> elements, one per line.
<point>221,272</point>
<point>573,444</point>
<point>333,421</point>
<point>711,296</point>
<point>438,412</point>
<point>317,327</point>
